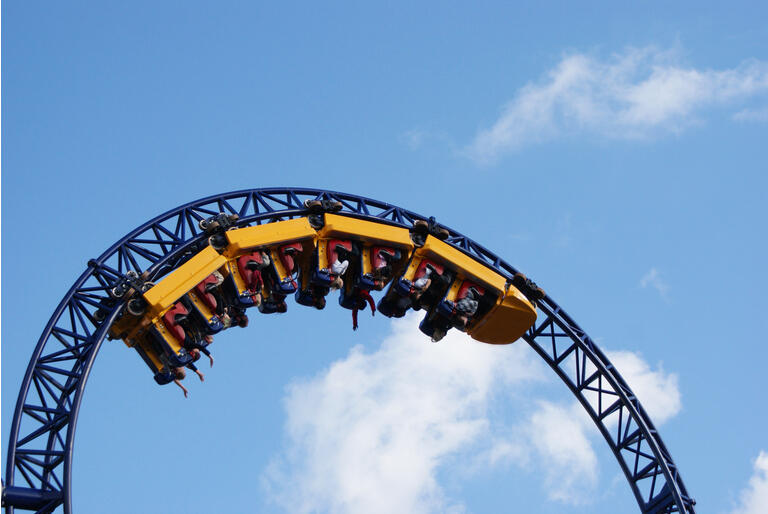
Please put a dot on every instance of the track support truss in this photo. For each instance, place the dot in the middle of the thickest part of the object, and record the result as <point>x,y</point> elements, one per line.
<point>40,449</point>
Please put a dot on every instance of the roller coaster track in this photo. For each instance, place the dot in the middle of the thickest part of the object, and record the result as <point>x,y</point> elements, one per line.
<point>41,445</point>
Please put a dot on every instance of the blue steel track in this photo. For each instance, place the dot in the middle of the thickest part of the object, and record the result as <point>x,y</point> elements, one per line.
<point>41,444</point>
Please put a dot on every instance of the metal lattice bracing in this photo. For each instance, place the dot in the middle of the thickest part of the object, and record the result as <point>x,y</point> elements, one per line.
<point>40,450</point>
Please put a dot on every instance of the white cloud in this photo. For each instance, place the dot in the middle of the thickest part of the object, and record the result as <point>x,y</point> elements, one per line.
<point>371,432</point>
<point>653,279</point>
<point>657,391</point>
<point>634,94</point>
<point>754,498</point>
<point>558,435</point>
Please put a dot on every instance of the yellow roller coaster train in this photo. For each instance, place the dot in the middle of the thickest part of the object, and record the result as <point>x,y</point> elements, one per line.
<point>308,257</point>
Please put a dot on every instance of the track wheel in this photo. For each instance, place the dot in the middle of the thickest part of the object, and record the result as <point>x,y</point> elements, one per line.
<point>137,306</point>
<point>218,241</point>
<point>519,280</point>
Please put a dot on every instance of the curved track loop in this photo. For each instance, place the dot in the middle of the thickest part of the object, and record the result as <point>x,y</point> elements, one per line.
<point>39,467</point>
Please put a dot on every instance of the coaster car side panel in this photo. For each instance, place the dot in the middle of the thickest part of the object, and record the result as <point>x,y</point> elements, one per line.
<point>165,293</point>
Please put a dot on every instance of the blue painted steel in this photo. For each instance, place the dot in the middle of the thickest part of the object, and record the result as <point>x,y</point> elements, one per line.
<point>41,441</point>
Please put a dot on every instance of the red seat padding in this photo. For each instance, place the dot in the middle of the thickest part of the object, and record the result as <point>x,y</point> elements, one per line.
<point>422,269</point>
<point>207,297</point>
<point>169,319</point>
<point>378,260</point>
<point>464,289</point>
<point>252,277</point>
<point>333,255</point>
<point>287,254</point>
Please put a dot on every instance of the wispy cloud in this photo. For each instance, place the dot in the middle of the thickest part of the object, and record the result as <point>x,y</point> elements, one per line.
<point>653,279</point>
<point>754,498</point>
<point>414,138</point>
<point>753,115</point>
<point>372,432</point>
<point>657,390</point>
<point>559,437</point>
<point>634,94</point>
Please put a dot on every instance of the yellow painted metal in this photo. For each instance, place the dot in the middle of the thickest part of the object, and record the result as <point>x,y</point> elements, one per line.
<point>413,265</point>
<point>278,263</point>
<point>243,240</point>
<point>512,315</point>
<point>231,269</point>
<point>166,336</point>
<point>369,232</point>
<point>305,271</point>
<point>465,265</point>
<point>367,263</point>
<point>322,254</point>
<point>122,327</point>
<point>164,294</point>
<point>507,321</point>
<point>150,352</point>
<point>200,305</point>
<point>453,291</point>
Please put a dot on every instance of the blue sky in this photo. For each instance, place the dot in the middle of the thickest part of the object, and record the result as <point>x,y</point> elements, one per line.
<point>617,155</point>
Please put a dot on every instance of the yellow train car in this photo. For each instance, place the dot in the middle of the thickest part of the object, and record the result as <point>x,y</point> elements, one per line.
<point>287,243</point>
<point>245,240</point>
<point>381,250</point>
<point>501,313</point>
<point>165,293</point>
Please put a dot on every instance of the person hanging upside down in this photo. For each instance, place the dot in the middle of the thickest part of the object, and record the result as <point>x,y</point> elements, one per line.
<point>338,268</point>
<point>253,277</point>
<point>383,266</point>
<point>422,284</point>
<point>235,316</point>
<point>180,375</point>
<point>318,301</point>
<point>200,347</point>
<point>467,307</point>
<point>362,297</point>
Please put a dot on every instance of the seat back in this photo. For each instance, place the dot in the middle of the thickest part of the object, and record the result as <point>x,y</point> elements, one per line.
<point>288,255</point>
<point>248,265</point>
<point>464,290</point>
<point>422,269</point>
<point>203,290</point>
<point>170,320</point>
<point>383,255</point>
